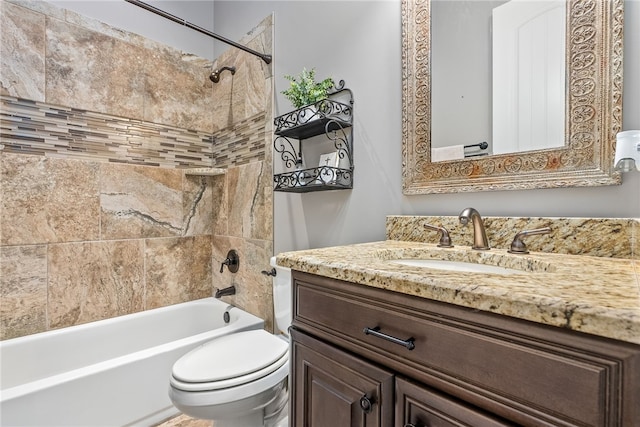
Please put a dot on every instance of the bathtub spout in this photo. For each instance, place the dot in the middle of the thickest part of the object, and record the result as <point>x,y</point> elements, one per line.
<point>231,290</point>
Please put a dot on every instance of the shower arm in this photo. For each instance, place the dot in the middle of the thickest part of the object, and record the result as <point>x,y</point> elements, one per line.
<point>266,58</point>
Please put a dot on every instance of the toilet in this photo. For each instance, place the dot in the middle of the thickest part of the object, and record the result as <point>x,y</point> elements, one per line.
<point>241,379</point>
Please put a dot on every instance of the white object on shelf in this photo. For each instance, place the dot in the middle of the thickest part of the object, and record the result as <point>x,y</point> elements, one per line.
<point>326,175</point>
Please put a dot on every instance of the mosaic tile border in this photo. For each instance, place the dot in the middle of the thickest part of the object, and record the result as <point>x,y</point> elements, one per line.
<point>243,143</point>
<point>38,128</point>
<point>31,127</point>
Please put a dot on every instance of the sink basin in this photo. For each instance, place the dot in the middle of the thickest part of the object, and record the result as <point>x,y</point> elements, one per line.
<point>457,266</point>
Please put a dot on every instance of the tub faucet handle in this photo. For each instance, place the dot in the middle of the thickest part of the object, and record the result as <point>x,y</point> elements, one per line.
<point>232,262</point>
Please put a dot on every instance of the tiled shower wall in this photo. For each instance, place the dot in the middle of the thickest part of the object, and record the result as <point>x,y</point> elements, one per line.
<point>97,217</point>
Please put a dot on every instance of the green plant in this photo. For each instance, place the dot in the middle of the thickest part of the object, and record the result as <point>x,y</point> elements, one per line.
<point>304,89</point>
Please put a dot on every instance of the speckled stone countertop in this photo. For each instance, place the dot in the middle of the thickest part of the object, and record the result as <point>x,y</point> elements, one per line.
<point>594,295</point>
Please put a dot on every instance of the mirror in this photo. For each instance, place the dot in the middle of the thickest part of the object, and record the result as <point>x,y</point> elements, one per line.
<point>592,111</point>
<point>500,64</point>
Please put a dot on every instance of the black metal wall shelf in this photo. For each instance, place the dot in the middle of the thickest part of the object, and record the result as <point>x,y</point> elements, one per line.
<point>330,117</point>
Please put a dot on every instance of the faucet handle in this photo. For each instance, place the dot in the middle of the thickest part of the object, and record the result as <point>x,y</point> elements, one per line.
<point>445,239</point>
<point>232,261</point>
<point>518,246</point>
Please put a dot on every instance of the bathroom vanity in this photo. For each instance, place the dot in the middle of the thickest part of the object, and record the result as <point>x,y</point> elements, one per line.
<point>378,343</point>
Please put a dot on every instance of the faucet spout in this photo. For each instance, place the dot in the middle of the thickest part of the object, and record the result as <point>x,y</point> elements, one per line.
<point>480,241</point>
<point>231,290</point>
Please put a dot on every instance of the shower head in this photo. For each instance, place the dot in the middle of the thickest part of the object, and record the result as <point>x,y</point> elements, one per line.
<point>215,75</point>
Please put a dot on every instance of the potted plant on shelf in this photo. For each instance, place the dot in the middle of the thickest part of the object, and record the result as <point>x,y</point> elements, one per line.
<point>304,91</point>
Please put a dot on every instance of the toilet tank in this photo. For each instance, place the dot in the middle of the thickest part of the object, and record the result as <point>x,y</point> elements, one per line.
<point>281,298</point>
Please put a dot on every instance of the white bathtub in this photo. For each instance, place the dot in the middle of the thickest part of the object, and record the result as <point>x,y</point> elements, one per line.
<point>112,372</point>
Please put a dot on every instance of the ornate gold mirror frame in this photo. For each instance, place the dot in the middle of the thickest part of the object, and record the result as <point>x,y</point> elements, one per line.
<point>593,114</point>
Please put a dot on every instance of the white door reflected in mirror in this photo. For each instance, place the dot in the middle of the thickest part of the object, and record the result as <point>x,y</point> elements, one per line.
<point>498,71</point>
<point>528,75</point>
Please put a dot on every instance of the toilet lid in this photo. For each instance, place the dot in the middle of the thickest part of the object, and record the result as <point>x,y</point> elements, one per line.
<point>231,356</point>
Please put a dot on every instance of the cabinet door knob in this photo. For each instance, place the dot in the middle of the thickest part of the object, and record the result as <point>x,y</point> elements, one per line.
<point>366,404</point>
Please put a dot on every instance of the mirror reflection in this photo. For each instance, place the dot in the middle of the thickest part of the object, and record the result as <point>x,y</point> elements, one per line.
<point>498,77</point>
<point>587,120</point>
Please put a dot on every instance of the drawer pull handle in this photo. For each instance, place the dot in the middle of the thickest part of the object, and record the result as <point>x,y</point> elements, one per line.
<point>408,343</point>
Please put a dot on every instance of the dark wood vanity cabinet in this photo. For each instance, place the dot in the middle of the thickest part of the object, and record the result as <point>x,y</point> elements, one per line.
<point>433,364</point>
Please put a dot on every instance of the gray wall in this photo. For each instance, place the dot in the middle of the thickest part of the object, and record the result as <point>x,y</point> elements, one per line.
<point>360,42</point>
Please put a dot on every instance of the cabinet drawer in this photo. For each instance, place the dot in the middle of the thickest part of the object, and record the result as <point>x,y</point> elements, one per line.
<point>528,373</point>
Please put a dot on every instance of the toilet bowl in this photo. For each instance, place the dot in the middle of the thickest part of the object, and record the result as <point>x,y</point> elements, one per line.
<point>240,380</point>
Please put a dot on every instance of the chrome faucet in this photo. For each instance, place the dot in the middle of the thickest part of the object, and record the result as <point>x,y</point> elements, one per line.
<point>480,241</point>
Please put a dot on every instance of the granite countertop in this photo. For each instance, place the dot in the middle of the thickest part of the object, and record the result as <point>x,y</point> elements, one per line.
<point>594,295</point>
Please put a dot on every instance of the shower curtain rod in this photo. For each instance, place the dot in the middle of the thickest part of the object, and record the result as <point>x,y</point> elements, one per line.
<point>266,58</point>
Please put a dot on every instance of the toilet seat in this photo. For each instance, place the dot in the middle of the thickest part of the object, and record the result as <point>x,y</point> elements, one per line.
<point>230,361</point>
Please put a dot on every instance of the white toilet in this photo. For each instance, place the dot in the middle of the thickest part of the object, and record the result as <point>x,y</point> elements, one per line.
<point>240,380</point>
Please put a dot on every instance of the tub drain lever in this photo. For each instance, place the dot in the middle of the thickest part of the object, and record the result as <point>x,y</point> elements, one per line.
<point>226,317</point>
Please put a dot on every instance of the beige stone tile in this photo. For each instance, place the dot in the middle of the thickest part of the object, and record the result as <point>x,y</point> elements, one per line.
<point>91,281</point>
<point>23,290</point>
<point>92,71</point>
<point>223,92</point>
<point>250,201</point>
<point>197,205</point>
<point>177,270</point>
<point>177,91</point>
<point>635,242</point>
<point>220,215</point>
<point>22,52</point>
<point>185,421</point>
<point>47,200</point>
<point>269,126</point>
<point>253,289</point>
<point>140,201</point>
<point>42,7</point>
<point>243,95</point>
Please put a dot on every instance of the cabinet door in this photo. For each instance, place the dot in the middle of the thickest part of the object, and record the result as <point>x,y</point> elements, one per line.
<point>331,388</point>
<point>420,406</point>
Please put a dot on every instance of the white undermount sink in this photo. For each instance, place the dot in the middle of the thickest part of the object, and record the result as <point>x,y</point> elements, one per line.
<point>457,266</point>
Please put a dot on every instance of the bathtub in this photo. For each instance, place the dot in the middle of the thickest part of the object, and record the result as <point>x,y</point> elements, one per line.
<point>112,372</point>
